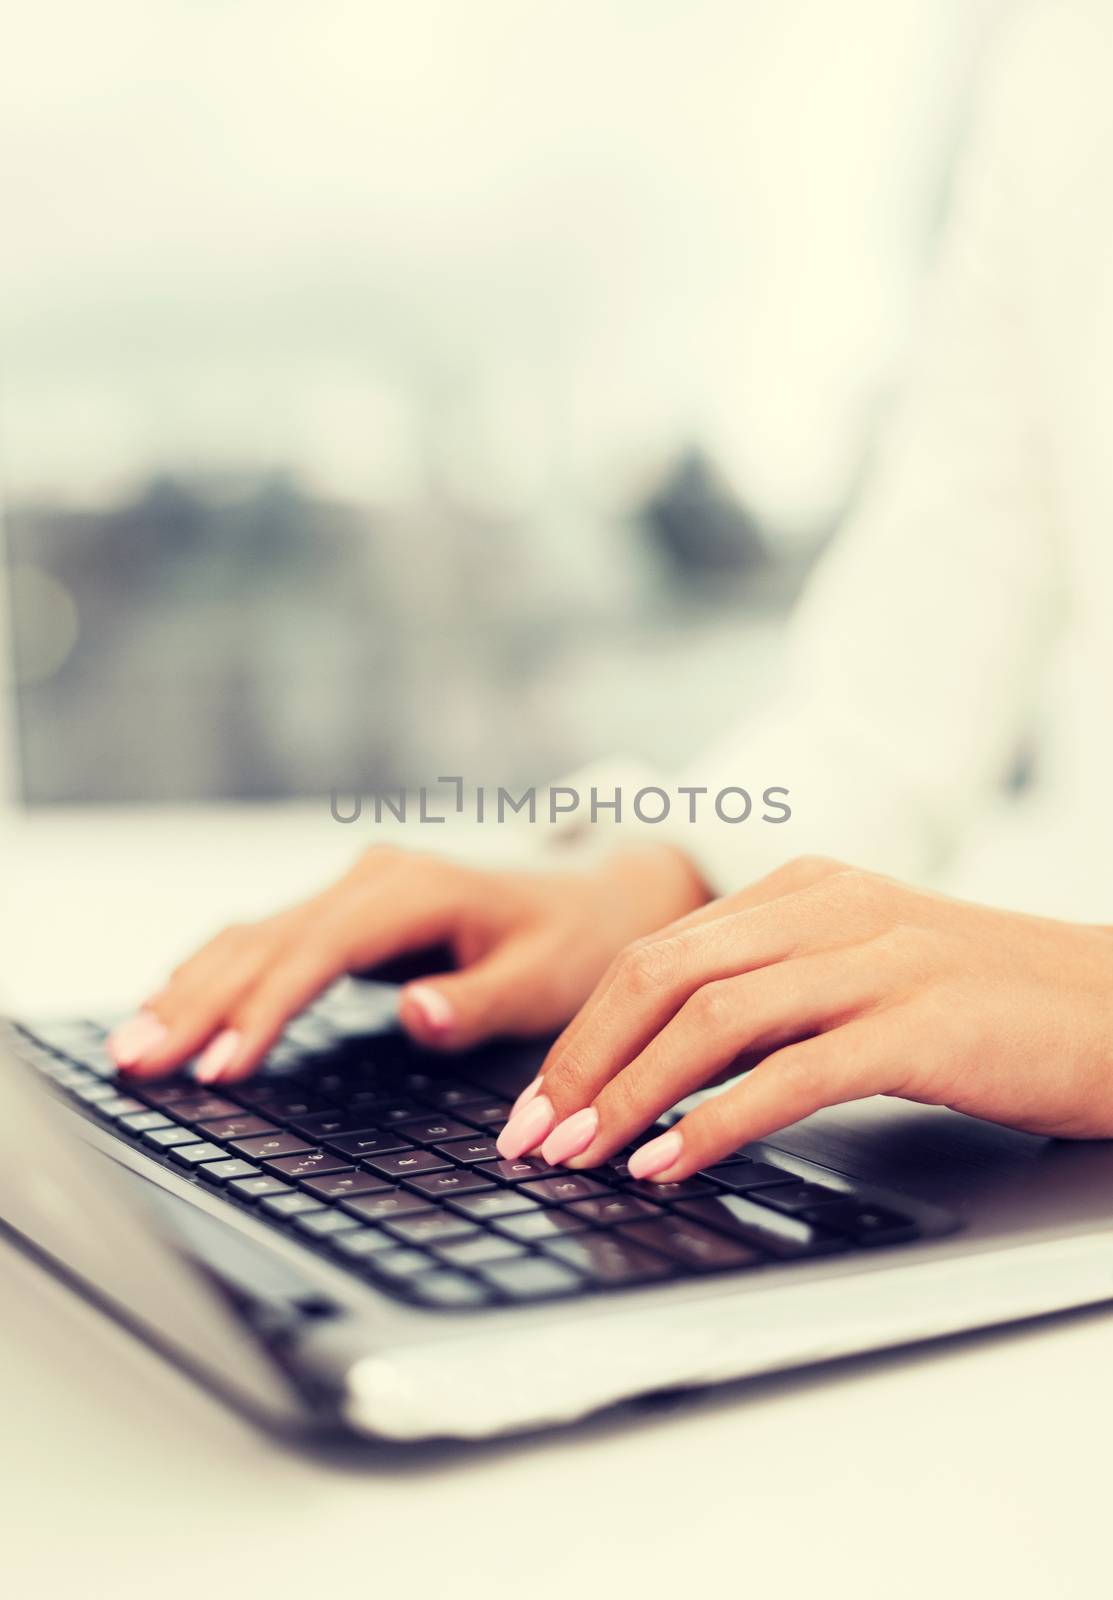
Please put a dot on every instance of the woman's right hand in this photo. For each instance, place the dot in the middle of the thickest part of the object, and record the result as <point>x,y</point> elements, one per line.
<point>529,948</point>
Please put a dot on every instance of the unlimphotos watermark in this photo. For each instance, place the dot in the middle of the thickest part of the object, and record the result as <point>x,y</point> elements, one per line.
<point>552,806</point>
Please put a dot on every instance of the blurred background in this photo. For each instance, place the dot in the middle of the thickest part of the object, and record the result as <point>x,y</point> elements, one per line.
<point>462,386</point>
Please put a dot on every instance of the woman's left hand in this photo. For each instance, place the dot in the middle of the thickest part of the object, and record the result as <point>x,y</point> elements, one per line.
<point>830,984</point>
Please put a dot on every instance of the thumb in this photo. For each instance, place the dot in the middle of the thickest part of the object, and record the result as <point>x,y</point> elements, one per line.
<point>503,992</point>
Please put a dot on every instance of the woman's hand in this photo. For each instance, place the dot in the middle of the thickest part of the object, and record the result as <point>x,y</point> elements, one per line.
<point>529,947</point>
<point>831,984</point>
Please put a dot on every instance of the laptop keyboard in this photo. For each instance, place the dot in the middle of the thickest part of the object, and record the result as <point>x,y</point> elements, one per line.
<point>390,1169</point>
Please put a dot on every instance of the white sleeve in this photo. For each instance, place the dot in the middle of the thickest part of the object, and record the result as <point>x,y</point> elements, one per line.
<point>915,652</point>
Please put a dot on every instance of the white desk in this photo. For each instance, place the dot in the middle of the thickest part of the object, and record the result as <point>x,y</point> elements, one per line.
<point>975,1466</point>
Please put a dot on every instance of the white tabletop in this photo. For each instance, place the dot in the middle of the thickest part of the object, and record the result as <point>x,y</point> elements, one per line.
<point>976,1465</point>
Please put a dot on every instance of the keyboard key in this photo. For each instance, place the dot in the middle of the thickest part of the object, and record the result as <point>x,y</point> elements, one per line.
<point>793,1197</point>
<point>225,1171</point>
<point>322,1223</point>
<point>197,1108</point>
<point>429,1226</point>
<point>469,1150</point>
<point>455,1181</point>
<point>757,1225</point>
<point>378,1207</point>
<point>280,1102</point>
<point>270,1146</point>
<point>609,1259</point>
<point>486,1113</point>
<point>257,1188</point>
<point>742,1176</point>
<point>392,1111</point>
<point>532,1278</point>
<point>538,1225</point>
<point>311,1163</point>
<point>118,1107</point>
<point>565,1188</point>
<point>406,1164</point>
<point>493,1203</point>
<point>400,1263</point>
<point>864,1223</point>
<point>357,1145</point>
<point>291,1205</point>
<point>143,1121</point>
<point>325,1124</point>
<point>235,1127</point>
<point>335,1185</point>
<point>94,1089</point>
<point>475,1251</point>
<point>607,1208</point>
<point>166,1094</point>
<point>522,1170</point>
<point>167,1138</point>
<point>361,1242</point>
<point>434,1130</point>
<point>663,1193</point>
<point>448,1289</point>
<point>702,1248</point>
<point>192,1155</point>
<point>447,1096</point>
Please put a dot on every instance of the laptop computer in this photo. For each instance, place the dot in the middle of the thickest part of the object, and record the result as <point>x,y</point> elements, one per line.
<point>335,1244</point>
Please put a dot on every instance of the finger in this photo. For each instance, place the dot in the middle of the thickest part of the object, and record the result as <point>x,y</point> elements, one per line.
<point>745,1017</point>
<point>847,1063</point>
<point>504,992</point>
<point>183,1019</point>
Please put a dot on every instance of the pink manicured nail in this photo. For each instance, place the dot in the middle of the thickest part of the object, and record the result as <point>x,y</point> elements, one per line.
<point>571,1137</point>
<point>133,1038</point>
<point>526,1130</point>
<point>435,1009</point>
<point>656,1156</point>
<point>526,1095</point>
<point>218,1056</point>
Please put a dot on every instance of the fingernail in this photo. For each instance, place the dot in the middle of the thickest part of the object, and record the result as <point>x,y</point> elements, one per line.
<point>571,1137</point>
<point>526,1129</point>
<point>434,1009</point>
<point>218,1056</point>
<point>527,1094</point>
<point>656,1156</point>
<point>133,1038</point>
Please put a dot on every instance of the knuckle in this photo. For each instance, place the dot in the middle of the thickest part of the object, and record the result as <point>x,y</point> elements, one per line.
<point>644,966</point>
<point>711,1008</point>
<point>804,870</point>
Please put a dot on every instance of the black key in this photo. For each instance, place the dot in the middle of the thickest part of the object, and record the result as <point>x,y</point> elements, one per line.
<point>686,1241</point>
<point>406,1163</point>
<point>280,1102</point>
<point>447,1096</point>
<point>192,1155</point>
<point>119,1106</point>
<point>258,1188</point>
<point>568,1186</point>
<point>532,1278</point>
<point>430,1226</point>
<point>663,1193</point>
<point>322,1124</point>
<point>269,1146</point>
<point>378,1207</point>
<point>166,1094</point>
<point>335,1185</point>
<point>606,1208</point>
<point>491,1114</point>
<point>400,1263</point>
<point>474,1251</point>
<point>355,1145</point>
<point>862,1222</point>
<point>469,1150</point>
<point>434,1130</point>
<point>241,1127</point>
<point>456,1180</point>
<point>538,1225</point>
<point>143,1121</point>
<point>520,1171</point>
<point>392,1111</point>
<point>361,1242</point>
<point>167,1138</point>
<point>205,1108</point>
<point>493,1203</point>
<point>94,1089</point>
<point>225,1171</point>
<point>608,1258</point>
<point>448,1289</point>
<point>764,1229</point>
<point>311,1163</point>
<point>322,1223</point>
<point>743,1176</point>
<point>793,1197</point>
<point>291,1205</point>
